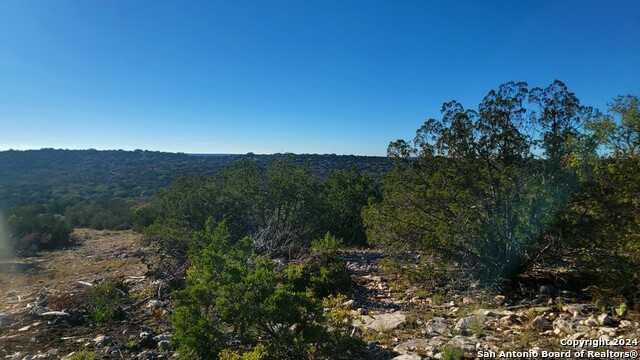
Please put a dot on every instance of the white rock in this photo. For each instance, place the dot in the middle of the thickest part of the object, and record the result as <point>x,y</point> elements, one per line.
<point>591,321</point>
<point>101,340</point>
<point>437,326</point>
<point>383,322</point>
<point>54,314</point>
<point>561,326</point>
<point>419,346</point>
<point>606,320</point>
<point>154,304</point>
<point>463,326</point>
<point>408,357</point>
<point>624,324</point>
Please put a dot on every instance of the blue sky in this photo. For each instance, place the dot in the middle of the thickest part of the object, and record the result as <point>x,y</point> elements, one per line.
<point>310,76</point>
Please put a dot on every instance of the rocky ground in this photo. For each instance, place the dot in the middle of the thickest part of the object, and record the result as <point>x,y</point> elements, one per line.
<point>42,298</point>
<point>405,322</point>
<point>41,314</point>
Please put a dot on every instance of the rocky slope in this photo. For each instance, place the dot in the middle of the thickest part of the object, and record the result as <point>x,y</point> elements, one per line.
<point>43,300</point>
<point>411,323</point>
<point>43,310</point>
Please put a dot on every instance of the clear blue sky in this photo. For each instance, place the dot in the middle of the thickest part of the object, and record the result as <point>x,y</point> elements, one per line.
<point>300,76</point>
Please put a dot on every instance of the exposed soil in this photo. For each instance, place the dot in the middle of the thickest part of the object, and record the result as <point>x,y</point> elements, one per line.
<point>59,281</point>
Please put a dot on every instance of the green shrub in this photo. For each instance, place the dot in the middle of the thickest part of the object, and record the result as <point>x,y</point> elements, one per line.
<point>258,353</point>
<point>105,301</point>
<point>235,300</point>
<point>327,245</point>
<point>322,274</point>
<point>452,353</point>
<point>82,355</point>
<point>35,227</point>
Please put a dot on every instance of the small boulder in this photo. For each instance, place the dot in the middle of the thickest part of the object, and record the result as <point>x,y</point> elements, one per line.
<point>426,347</point>
<point>606,320</point>
<point>607,331</point>
<point>384,321</point>
<point>561,326</point>
<point>408,357</point>
<point>574,309</point>
<point>541,324</point>
<point>348,303</point>
<point>437,326</point>
<point>466,344</point>
<point>101,340</point>
<point>464,325</point>
<point>146,340</point>
<point>154,304</point>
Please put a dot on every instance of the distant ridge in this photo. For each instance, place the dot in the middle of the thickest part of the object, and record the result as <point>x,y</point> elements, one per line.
<point>33,176</point>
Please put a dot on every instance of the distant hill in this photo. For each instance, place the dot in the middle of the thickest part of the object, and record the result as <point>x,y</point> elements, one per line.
<point>35,176</point>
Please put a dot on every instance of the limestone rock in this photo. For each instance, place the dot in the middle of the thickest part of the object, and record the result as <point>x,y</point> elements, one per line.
<point>425,347</point>
<point>408,357</point>
<point>437,326</point>
<point>383,322</point>
<point>561,326</point>
<point>591,321</point>
<point>606,320</point>
<point>465,324</point>
<point>509,320</point>
<point>101,340</point>
<point>574,309</point>
<point>541,324</point>
<point>466,344</point>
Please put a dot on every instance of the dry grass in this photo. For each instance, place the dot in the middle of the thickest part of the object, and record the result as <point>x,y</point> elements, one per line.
<point>95,257</point>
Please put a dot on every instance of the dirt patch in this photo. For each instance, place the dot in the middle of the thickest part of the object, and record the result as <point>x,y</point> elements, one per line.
<point>58,281</point>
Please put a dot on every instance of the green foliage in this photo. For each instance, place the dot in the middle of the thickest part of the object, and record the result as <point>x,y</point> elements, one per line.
<point>283,207</point>
<point>470,187</point>
<point>260,352</point>
<point>105,301</point>
<point>72,176</point>
<point>279,206</point>
<point>452,353</point>
<point>326,246</point>
<point>33,228</point>
<point>602,221</point>
<point>82,355</point>
<point>346,194</point>
<point>622,309</point>
<point>236,297</point>
<point>113,214</point>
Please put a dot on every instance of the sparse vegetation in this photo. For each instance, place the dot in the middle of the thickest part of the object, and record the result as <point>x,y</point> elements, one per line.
<point>106,300</point>
<point>452,353</point>
<point>82,355</point>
